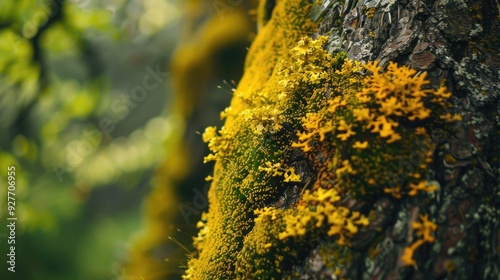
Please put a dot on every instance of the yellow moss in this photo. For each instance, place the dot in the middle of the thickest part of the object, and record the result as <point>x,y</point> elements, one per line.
<point>239,148</point>
<point>199,240</point>
<point>288,24</point>
<point>262,255</point>
<point>209,134</point>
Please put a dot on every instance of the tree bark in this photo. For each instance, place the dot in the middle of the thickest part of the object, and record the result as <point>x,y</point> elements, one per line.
<point>456,41</point>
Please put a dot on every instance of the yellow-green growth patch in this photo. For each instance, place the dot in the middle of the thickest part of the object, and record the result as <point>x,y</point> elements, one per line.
<point>361,128</point>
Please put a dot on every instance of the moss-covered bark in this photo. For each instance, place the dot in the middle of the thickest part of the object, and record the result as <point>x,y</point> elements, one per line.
<point>330,165</point>
<point>456,42</point>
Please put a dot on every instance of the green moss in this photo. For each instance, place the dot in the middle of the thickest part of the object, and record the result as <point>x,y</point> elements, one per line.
<point>264,255</point>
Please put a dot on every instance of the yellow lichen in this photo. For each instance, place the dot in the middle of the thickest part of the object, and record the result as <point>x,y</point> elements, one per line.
<point>424,230</point>
<point>276,170</point>
<point>422,186</point>
<point>360,145</point>
<point>322,207</point>
<point>375,103</point>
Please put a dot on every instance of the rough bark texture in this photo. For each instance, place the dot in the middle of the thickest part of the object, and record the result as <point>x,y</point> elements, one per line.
<point>458,42</point>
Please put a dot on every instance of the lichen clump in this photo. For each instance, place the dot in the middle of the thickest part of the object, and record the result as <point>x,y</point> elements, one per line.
<point>356,124</point>
<point>424,232</point>
<point>373,125</point>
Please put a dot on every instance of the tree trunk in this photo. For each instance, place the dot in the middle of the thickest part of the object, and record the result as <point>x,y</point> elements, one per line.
<point>456,41</point>
<point>450,232</point>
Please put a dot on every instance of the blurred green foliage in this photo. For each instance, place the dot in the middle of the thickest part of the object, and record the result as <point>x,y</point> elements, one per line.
<point>63,66</point>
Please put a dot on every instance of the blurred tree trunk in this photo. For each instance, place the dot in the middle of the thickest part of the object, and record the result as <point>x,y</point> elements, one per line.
<point>457,42</point>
